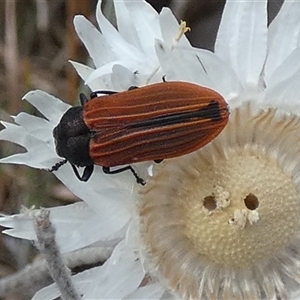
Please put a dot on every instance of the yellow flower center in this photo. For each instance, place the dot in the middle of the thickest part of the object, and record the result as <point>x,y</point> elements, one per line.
<point>230,208</point>
<point>256,219</point>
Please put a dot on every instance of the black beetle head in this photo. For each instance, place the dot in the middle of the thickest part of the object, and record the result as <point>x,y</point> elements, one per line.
<point>72,138</point>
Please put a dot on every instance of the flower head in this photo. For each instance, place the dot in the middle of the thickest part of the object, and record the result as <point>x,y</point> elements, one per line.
<point>222,222</point>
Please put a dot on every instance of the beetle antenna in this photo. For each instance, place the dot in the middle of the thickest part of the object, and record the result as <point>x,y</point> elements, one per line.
<point>57,165</point>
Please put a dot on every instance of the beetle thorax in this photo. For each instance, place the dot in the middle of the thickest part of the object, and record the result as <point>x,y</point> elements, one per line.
<point>72,138</point>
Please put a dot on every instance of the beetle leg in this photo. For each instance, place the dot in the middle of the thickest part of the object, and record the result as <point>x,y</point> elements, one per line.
<point>139,180</point>
<point>133,87</point>
<point>158,161</point>
<point>87,173</point>
<point>95,94</point>
<point>57,165</point>
<point>164,78</point>
<point>83,99</point>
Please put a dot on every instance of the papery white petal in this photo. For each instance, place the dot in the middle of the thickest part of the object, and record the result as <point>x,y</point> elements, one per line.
<point>284,95</point>
<point>20,226</point>
<point>111,205</point>
<point>114,281</point>
<point>146,22</point>
<point>178,64</point>
<point>99,182</point>
<point>95,43</point>
<point>77,226</point>
<point>42,161</point>
<point>125,24</point>
<point>139,56</point>
<point>223,78</point>
<point>84,71</point>
<point>38,127</point>
<point>50,292</point>
<point>88,233</point>
<point>242,38</point>
<point>170,29</point>
<point>118,45</point>
<point>44,146</point>
<point>101,226</point>
<point>106,27</point>
<point>107,69</point>
<point>103,82</point>
<point>111,280</point>
<point>289,67</point>
<point>51,107</point>
<point>122,78</point>
<point>151,291</point>
<point>283,36</point>
<point>168,296</point>
<point>17,134</point>
<point>82,227</point>
<point>64,218</point>
<point>295,295</point>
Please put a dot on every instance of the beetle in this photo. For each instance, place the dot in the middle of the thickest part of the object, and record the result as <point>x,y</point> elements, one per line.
<point>154,122</point>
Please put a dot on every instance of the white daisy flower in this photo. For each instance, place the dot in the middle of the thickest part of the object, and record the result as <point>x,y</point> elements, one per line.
<point>222,222</point>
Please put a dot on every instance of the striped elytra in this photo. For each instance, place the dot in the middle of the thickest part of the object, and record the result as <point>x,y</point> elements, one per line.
<point>155,122</point>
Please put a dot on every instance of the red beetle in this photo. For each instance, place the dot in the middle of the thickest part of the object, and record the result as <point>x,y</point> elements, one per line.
<point>158,121</point>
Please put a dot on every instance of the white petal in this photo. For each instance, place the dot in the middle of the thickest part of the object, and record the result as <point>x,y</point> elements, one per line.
<point>51,107</point>
<point>289,67</point>
<point>84,71</point>
<point>223,78</point>
<point>170,29</point>
<point>242,38</point>
<point>50,292</point>
<point>285,95</point>
<point>181,65</point>
<point>95,43</point>
<point>125,24</point>
<point>283,36</point>
<point>42,161</point>
<point>122,78</point>
<point>146,22</point>
<point>118,277</point>
<point>106,27</point>
<point>17,134</point>
<point>139,57</point>
<point>95,84</point>
<point>168,296</point>
<point>44,148</point>
<point>77,226</point>
<point>118,45</point>
<point>64,218</point>
<point>38,127</point>
<point>112,205</point>
<point>20,226</point>
<point>99,182</point>
<point>106,69</point>
<point>151,291</point>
